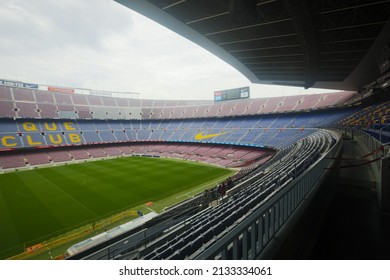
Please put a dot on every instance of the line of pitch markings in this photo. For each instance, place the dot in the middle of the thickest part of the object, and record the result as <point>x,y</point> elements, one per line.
<point>71,197</point>
<point>207,184</point>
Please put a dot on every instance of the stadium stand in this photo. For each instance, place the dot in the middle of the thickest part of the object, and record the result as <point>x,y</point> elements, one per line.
<point>26,110</point>
<point>59,156</point>
<point>79,154</point>
<point>12,161</point>
<point>48,111</point>
<point>20,94</point>
<point>7,109</point>
<point>5,94</point>
<point>373,119</point>
<point>273,131</point>
<point>96,152</point>
<point>373,115</point>
<point>191,237</point>
<point>271,140</point>
<point>44,97</point>
<point>79,99</point>
<point>36,158</point>
<point>41,104</point>
<point>31,125</point>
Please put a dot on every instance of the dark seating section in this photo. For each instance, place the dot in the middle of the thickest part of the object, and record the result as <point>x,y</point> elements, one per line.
<point>373,119</point>
<point>201,230</point>
<point>375,115</point>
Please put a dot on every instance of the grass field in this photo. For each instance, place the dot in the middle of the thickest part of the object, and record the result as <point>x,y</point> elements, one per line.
<point>39,204</point>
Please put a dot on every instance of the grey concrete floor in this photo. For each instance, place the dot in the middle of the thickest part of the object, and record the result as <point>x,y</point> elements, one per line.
<point>353,226</point>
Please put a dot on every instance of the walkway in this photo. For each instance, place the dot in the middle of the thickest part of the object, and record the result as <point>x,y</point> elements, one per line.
<point>344,221</point>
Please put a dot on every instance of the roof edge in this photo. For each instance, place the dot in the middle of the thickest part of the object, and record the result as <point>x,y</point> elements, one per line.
<point>154,13</point>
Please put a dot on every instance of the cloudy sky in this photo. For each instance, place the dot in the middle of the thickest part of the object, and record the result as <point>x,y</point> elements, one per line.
<point>100,44</point>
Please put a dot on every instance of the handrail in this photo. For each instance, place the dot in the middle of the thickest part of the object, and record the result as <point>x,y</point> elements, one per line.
<point>252,236</point>
<point>380,132</point>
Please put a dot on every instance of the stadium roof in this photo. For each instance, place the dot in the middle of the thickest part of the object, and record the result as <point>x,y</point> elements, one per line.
<point>336,44</point>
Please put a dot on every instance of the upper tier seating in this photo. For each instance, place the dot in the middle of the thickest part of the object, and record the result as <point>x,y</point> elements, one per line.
<point>46,104</point>
<point>23,95</point>
<point>7,109</point>
<point>5,94</point>
<point>27,110</point>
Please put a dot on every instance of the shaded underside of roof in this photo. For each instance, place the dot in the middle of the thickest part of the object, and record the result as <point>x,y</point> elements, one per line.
<point>311,43</point>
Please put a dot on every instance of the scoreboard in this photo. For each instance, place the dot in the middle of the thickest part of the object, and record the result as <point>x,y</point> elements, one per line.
<point>231,94</point>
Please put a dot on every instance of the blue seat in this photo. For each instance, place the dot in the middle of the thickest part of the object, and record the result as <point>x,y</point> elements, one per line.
<point>197,243</point>
<point>185,251</point>
<point>166,253</point>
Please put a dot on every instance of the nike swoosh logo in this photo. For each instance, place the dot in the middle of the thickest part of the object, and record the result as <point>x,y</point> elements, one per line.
<point>200,136</point>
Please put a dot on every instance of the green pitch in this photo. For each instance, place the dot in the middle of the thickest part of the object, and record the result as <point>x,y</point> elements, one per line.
<point>42,203</point>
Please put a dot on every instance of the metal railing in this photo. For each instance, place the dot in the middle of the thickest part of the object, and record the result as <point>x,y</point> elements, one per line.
<point>372,144</point>
<point>255,237</point>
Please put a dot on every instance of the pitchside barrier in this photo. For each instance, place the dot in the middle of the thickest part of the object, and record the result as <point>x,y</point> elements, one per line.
<point>75,235</point>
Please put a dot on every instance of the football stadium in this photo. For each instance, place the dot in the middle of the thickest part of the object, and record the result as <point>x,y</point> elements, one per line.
<point>101,175</point>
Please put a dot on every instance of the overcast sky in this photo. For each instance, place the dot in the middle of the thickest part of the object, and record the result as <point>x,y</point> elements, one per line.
<point>100,44</point>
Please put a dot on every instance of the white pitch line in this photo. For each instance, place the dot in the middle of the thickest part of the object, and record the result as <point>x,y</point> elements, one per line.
<point>82,205</point>
<point>193,191</point>
<point>204,186</point>
<point>149,209</point>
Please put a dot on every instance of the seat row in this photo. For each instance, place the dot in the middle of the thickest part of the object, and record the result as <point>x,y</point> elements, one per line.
<point>204,228</point>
